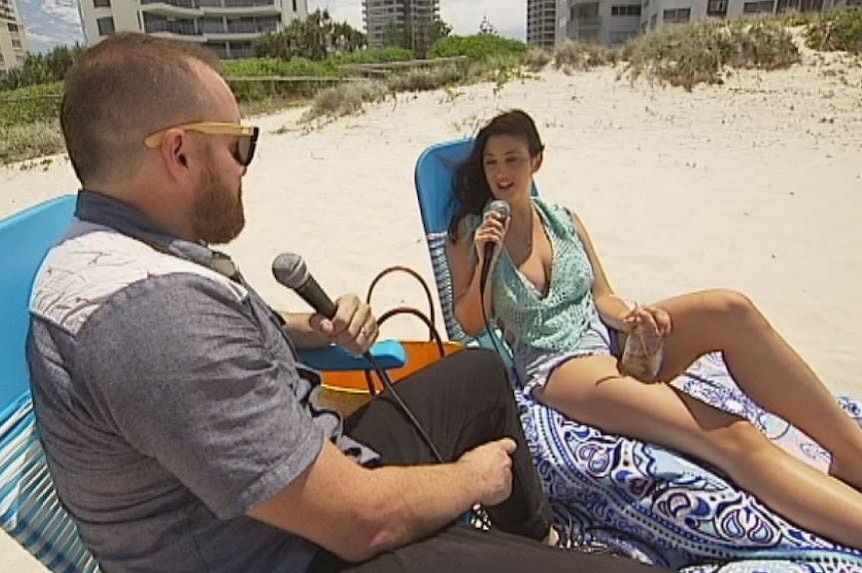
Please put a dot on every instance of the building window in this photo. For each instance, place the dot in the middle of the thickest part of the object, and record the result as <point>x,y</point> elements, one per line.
<point>630,10</point>
<point>716,8</point>
<point>757,7</point>
<point>652,21</point>
<point>585,11</point>
<point>13,27</point>
<point>294,6</point>
<point>677,16</point>
<point>102,3</point>
<point>106,26</point>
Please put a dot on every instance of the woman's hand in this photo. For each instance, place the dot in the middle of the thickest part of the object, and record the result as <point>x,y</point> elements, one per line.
<point>654,320</point>
<point>492,230</point>
<point>642,353</point>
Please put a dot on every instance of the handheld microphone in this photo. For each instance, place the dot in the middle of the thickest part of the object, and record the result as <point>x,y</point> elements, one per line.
<point>501,208</point>
<point>289,270</point>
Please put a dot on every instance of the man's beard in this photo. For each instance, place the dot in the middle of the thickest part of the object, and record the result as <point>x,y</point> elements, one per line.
<point>217,213</point>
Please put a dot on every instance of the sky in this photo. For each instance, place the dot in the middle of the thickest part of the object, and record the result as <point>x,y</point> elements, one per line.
<point>509,17</point>
<point>53,22</point>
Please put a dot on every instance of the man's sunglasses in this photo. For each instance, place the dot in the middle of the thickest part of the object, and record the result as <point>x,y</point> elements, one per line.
<point>244,151</point>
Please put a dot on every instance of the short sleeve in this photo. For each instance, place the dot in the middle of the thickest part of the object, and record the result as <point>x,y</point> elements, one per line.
<point>179,368</point>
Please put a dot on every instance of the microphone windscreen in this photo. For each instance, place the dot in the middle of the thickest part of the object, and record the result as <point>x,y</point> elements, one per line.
<point>289,269</point>
<point>500,207</point>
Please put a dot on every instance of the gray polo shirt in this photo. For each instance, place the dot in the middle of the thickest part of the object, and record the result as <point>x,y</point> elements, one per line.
<point>169,399</point>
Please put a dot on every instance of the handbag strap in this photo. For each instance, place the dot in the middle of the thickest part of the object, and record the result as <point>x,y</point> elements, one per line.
<point>434,336</point>
<point>430,319</point>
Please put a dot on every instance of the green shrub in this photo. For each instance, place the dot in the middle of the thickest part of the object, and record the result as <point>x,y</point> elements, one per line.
<point>32,104</point>
<point>840,30</point>
<point>19,142</point>
<point>376,56</point>
<point>688,55</point>
<point>426,79</point>
<point>41,68</point>
<point>478,47</point>
<point>277,67</point>
<point>249,91</point>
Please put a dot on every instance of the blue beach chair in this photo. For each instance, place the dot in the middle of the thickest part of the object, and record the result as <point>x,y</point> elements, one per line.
<point>641,499</point>
<point>29,509</point>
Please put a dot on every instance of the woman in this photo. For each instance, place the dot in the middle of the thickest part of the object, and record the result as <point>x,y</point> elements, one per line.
<point>551,296</point>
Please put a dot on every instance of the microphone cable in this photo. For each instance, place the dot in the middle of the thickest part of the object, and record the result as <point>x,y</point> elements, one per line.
<point>486,322</point>
<point>405,409</point>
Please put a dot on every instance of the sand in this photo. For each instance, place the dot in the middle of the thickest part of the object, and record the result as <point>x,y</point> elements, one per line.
<point>754,185</point>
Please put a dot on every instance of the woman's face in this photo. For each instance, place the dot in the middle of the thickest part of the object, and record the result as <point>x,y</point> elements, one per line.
<point>508,166</point>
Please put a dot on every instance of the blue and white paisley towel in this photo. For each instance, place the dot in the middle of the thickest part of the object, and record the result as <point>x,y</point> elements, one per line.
<point>652,504</point>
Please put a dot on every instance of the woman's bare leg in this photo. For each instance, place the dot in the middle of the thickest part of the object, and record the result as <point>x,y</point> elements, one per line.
<point>593,391</point>
<point>765,367</point>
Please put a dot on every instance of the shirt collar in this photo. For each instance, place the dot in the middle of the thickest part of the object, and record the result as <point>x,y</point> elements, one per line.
<point>100,209</point>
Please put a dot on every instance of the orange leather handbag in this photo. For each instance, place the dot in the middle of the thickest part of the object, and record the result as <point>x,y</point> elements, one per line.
<point>347,391</point>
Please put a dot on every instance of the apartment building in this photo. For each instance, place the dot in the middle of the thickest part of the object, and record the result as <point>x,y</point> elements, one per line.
<point>613,22</point>
<point>608,22</point>
<point>13,38</point>
<point>542,23</point>
<point>657,13</point>
<point>225,26</point>
<point>386,21</point>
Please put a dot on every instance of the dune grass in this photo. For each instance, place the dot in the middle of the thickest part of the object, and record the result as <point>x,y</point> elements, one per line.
<point>841,30</point>
<point>702,53</point>
<point>683,56</point>
<point>26,141</point>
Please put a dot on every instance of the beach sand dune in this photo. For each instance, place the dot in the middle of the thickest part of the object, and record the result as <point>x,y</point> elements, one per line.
<point>754,185</point>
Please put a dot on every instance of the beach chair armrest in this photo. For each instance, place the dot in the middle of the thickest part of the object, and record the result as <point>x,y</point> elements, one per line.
<point>388,353</point>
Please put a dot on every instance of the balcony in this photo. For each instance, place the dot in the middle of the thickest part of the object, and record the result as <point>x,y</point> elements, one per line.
<point>170,7</point>
<point>238,31</point>
<point>588,23</point>
<point>201,7</point>
<point>180,30</point>
<point>260,7</point>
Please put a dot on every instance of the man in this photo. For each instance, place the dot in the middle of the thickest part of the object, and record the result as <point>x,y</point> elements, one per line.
<point>181,431</point>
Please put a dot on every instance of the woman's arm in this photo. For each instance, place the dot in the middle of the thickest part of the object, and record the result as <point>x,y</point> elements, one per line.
<point>466,271</point>
<point>465,288</point>
<point>611,307</point>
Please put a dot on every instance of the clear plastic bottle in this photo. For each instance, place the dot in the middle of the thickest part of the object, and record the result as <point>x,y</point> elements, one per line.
<point>642,355</point>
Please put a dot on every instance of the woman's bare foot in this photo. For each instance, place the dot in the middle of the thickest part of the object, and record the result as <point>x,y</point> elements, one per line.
<point>553,537</point>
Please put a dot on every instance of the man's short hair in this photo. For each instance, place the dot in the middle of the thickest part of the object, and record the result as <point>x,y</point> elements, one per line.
<point>123,89</point>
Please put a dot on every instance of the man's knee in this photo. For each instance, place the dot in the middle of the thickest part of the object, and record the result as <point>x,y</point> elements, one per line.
<point>485,370</point>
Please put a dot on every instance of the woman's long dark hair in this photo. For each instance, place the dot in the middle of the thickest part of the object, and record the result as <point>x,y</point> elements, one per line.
<point>471,187</point>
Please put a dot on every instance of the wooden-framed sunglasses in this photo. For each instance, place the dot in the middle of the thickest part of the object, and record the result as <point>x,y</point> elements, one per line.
<point>244,150</point>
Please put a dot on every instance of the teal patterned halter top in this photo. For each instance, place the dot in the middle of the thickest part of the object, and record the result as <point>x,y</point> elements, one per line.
<point>554,322</point>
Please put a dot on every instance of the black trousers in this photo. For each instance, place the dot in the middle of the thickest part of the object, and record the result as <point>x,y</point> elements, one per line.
<point>464,401</point>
